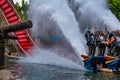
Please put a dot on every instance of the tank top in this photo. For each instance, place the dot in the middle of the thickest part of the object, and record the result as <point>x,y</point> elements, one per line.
<point>101,38</point>
<point>117,38</point>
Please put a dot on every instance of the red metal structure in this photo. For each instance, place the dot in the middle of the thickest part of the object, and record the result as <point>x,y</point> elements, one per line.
<point>11,16</point>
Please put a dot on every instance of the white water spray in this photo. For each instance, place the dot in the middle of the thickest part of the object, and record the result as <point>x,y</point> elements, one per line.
<point>52,13</point>
<point>94,12</point>
<point>49,57</point>
<point>49,14</point>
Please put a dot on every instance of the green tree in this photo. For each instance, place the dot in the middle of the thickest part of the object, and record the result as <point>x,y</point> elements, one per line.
<point>115,7</point>
<point>22,10</point>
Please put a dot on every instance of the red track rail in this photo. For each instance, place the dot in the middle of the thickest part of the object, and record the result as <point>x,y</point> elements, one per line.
<point>11,16</point>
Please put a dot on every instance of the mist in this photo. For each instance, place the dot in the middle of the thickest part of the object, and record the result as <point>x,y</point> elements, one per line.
<point>91,12</point>
<point>68,21</point>
<point>56,18</point>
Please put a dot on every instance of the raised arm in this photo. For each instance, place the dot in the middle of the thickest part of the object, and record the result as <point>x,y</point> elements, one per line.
<point>95,29</point>
<point>106,28</point>
<point>112,40</point>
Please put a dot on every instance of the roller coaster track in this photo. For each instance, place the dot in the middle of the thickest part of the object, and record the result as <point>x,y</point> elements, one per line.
<point>11,16</point>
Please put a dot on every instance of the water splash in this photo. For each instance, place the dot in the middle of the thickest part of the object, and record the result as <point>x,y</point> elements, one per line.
<point>46,15</point>
<point>46,56</point>
<point>90,12</point>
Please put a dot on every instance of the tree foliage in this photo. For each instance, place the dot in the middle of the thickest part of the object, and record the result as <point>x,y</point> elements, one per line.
<point>115,7</point>
<point>22,10</point>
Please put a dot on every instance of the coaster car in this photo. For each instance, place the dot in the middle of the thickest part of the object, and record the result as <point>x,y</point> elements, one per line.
<point>105,63</point>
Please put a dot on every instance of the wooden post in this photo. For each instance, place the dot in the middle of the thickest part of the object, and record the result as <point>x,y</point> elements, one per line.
<point>2,50</point>
<point>4,35</point>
